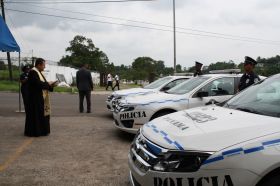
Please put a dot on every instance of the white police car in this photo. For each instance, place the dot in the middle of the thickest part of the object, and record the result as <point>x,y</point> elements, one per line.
<point>234,145</point>
<point>162,84</point>
<point>132,112</point>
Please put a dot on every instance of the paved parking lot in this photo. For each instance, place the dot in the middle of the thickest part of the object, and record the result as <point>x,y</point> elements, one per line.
<point>82,149</point>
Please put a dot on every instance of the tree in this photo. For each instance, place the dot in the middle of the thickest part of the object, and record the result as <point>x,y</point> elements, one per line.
<point>146,68</point>
<point>142,68</point>
<point>178,68</point>
<point>83,51</point>
<point>222,65</point>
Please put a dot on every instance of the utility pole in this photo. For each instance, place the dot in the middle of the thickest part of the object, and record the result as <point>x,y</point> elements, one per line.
<point>32,59</point>
<point>8,53</point>
<point>174,34</point>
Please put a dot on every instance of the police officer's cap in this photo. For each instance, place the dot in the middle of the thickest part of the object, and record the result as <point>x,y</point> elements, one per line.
<point>249,60</point>
<point>198,63</point>
<point>25,67</point>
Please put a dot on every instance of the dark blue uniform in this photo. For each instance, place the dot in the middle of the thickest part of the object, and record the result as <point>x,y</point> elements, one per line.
<point>24,88</point>
<point>248,80</point>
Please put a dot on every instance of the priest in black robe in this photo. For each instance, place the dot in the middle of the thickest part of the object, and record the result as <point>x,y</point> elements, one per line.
<point>37,122</point>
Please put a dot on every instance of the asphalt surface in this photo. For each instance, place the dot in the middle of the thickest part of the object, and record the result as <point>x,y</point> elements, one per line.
<point>82,149</point>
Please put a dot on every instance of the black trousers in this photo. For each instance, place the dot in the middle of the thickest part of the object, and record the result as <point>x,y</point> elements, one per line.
<point>109,84</point>
<point>117,85</point>
<point>82,95</point>
<point>24,94</point>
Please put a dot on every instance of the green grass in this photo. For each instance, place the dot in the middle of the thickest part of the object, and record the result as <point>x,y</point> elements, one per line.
<point>122,86</point>
<point>6,85</point>
<point>66,89</point>
<point>9,86</point>
<point>4,75</point>
<point>13,86</point>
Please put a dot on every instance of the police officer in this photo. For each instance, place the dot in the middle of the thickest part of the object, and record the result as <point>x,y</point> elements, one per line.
<point>249,77</point>
<point>23,80</point>
<point>198,67</point>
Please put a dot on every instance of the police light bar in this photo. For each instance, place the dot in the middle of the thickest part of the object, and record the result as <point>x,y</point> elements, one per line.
<point>226,71</point>
<point>184,74</point>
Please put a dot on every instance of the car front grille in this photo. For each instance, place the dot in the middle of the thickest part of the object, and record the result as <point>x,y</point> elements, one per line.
<point>144,153</point>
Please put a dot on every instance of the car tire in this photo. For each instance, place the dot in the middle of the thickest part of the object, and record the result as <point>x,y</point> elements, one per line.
<point>271,180</point>
<point>161,113</point>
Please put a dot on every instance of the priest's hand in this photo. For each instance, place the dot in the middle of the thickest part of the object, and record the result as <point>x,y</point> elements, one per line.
<point>53,83</point>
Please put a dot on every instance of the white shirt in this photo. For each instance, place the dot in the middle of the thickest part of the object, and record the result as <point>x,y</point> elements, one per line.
<point>109,77</point>
<point>117,78</point>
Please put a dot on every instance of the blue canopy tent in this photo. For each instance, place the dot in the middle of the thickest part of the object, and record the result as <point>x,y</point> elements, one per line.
<point>9,44</point>
<point>7,41</point>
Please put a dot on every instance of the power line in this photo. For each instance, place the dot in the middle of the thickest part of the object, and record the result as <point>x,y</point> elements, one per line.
<point>155,24</point>
<point>143,27</point>
<point>18,33</point>
<point>76,2</point>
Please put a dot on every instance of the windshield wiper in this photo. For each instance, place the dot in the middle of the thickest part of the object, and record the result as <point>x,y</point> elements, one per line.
<point>250,110</point>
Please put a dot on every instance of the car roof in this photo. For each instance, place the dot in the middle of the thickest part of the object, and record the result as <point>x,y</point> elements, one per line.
<point>221,75</point>
<point>178,77</point>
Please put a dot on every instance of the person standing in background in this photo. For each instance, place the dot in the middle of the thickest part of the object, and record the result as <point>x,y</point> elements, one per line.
<point>85,86</point>
<point>117,79</point>
<point>198,67</point>
<point>24,88</point>
<point>249,77</point>
<point>38,108</point>
<point>109,81</point>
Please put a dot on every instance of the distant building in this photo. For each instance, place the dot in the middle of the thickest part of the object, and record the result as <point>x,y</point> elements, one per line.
<point>205,67</point>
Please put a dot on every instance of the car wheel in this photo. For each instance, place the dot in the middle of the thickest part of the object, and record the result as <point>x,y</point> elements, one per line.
<point>271,180</point>
<point>161,113</point>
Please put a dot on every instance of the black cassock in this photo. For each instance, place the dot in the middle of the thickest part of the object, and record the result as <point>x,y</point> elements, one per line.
<point>36,124</point>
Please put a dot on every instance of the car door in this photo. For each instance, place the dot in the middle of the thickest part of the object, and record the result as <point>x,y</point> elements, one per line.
<point>216,91</point>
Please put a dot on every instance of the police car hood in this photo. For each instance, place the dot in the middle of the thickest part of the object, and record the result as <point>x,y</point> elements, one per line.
<point>157,97</point>
<point>208,128</point>
<point>132,91</point>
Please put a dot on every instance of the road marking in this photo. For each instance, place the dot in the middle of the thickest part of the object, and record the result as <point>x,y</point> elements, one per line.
<point>15,156</point>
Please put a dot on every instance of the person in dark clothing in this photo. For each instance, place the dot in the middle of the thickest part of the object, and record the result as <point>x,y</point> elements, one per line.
<point>37,122</point>
<point>198,67</point>
<point>249,77</point>
<point>85,86</point>
<point>24,88</point>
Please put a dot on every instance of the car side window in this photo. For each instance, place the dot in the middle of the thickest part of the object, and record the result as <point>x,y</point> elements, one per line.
<point>219,87</point>
<point>172,84</point>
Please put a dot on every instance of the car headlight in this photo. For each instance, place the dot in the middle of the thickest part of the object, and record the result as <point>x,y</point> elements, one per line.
<point>126,108</point>
<point>177,161</point>
<point>110,97</point>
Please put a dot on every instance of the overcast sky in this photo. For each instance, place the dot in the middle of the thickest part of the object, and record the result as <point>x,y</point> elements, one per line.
<point>48,36</point>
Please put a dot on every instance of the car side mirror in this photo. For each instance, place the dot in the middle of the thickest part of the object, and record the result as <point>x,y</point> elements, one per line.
<point>202,94</point>
<point>164,89</point>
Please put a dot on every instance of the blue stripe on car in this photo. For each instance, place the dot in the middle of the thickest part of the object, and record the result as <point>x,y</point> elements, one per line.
<point>164,135</point>
<point>156,150</point>
<point>255,149</point>
<point>165,101</point>
<point>233,151</point>
<point>211,160</point>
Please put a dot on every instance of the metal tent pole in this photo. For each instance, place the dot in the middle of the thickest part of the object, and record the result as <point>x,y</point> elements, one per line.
<point>19,86</point>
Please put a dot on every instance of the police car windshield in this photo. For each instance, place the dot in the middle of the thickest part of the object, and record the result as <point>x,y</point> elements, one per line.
<point>262,98</point>
<point>158,83</point>
<point>187,86</point>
